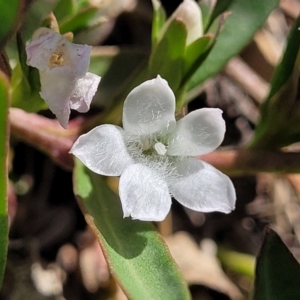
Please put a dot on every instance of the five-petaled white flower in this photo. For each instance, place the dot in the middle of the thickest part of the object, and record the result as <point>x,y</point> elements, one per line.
<point>155,156</point>
<point>65,82</point>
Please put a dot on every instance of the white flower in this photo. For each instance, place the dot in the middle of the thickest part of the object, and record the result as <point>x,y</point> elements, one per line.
<point>65,82</point>
<point>190,14</point>
<point>155,156</point>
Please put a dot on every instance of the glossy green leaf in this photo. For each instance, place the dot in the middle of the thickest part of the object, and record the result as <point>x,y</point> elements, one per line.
<point>159,19</point>
<point>137,256</point>
<point>4,104</point>
<point>277,271</point>
<point>280,113</point>
<point>246,17</point>
<point>80,21</point>
<point>9,16</point>
<point>168,56</point>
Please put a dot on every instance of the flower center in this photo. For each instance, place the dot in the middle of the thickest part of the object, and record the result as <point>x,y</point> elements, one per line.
<point>160,148</point>
<point>56,60</point>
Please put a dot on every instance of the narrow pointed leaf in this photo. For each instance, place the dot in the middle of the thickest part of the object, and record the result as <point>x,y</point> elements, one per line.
<point>219,8</point>
<point>167,57</point>
<point>4,103</point>
<point>206,12</point>
<point>138,258</point>
<point>195,54</point>
<point>80,21</point>
<point>159,19</point>
<point>282,103</point>
<point>277,271</point>
<point>246,17</point>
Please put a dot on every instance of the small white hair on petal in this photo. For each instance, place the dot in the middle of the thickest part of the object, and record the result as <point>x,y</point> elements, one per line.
<point>149,108</point>
<point>103,150</point>
<point>156,158</point>
<point>199,132</point>
<point>144,194</point>
<point>207,190</point>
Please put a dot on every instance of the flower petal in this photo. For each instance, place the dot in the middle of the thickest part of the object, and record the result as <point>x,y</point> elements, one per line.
<point>78,56</point>
<point>144,194</point>
<point>149,108</point>
<point>199,132</point>
<point>206,190</point>
<point>84,92</point>
<point>43,45</point>
<point>103,150</point>
<point>56,88</point>
<point>49,50</point>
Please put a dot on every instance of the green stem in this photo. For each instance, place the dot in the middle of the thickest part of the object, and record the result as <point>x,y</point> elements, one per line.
<point>239,262</point>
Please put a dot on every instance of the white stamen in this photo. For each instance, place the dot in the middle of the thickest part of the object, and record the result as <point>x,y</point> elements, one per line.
<point>160,148</point>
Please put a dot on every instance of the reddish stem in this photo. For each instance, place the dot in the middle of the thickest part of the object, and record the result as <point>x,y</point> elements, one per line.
<point>49,137</point>
<point>242,162</point>
<point>45,134</point>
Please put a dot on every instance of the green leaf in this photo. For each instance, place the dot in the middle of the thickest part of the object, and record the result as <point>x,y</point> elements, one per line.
<point>9,16</point>
<point>167,57</point>
<point>205,7</point>
<point>138,258</point>
<point>23,96</point>
<point>80,21</point>
<point>195,54</point>
<point>219,8</point>
<point>288,64</point>
<point>4,137</point>
<point>35,15</point>
<point>246,17</point>
<point>106,63</point>
<point>280,113</point>
<point>277,271</point>
<point>65,8</point>
<point>159,19</point>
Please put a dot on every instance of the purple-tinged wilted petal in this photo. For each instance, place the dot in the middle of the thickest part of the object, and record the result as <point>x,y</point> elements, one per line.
<point>84,92</point>
<point>199,132</point>
<point>63,66</point>
<point>49,50</point>
<point>103,150</point>
<point>149,108</point>
<point>205,190</point>
<point>79,56</point>
<point>190,14</point>
<point>144,194</point>
<point>43,45</point>
<point>56,88</point>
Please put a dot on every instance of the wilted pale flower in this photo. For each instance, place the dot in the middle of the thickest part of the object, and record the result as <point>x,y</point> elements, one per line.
<point>155,155</point>
<point>65,82</point>
<point>190,14</point>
